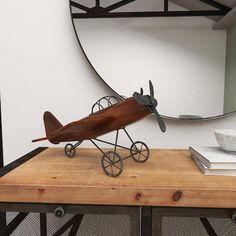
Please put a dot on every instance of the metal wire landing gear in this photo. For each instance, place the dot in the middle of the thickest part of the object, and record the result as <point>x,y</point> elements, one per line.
<point>112,163</point>
<point>70,149</point>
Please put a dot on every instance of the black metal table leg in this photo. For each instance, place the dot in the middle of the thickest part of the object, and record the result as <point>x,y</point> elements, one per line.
<point>3,220</point>
<point>2,214</point>
<point>43,224</point>
<point>146,221</point>
<point>157,225</point>
<point>134,214</point>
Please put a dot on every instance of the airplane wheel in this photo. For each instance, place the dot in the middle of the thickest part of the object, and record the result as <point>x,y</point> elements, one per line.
<point>112,164</point>
<point>69,150</point>
<point>139,152</point>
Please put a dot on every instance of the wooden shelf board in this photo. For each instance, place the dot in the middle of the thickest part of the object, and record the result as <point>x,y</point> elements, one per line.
<point>50,177</point>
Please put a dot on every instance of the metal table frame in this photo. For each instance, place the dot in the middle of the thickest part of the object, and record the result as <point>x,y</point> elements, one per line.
<point>144,221</point>
<point>203,213</point>
<point>78,210</point>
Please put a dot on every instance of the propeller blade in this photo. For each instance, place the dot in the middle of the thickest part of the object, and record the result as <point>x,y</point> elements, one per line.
<point>159,120</point>
<point>153,100</point>
<point>151,89</point>
<point>141,91</point>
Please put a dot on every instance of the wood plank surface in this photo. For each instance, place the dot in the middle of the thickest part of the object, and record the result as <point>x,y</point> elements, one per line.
<point>168,178</point>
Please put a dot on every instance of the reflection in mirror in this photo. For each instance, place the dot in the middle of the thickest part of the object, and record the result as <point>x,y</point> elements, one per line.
<point>192,66</point>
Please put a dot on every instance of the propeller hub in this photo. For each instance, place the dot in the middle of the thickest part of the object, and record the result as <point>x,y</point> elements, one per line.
<point>151,103</point>
<point>154,102</point>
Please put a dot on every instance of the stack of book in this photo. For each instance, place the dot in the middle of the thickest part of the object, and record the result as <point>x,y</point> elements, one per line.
<point>214,161</point>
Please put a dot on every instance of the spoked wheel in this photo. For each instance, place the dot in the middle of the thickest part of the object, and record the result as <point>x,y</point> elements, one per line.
<point>112,164</point>
<point>139,151</point>
<point>69,150</point>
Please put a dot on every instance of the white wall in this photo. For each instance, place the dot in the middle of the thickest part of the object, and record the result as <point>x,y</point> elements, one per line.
<point>42,68</point>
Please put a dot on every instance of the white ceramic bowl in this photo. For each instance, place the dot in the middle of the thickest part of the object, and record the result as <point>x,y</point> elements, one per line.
<point>226,139</point>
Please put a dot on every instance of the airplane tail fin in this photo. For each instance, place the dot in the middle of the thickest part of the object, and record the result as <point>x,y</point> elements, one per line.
<point>51,125</point>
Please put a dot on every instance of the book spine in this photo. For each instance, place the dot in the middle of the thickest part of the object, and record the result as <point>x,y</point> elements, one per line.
<point>198,163</point>
<point>200,157</point>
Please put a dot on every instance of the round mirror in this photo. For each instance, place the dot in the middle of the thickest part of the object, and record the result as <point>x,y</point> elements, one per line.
<point>191,65</point>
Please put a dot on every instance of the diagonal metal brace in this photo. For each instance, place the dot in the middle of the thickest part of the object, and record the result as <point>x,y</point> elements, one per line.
<point>81,7</point>
<point>117,5</point>
<point>76,225</point>
<point>217,5</point>
<point>74,220</point>
<point>207,225</point>
<point>10,228</point>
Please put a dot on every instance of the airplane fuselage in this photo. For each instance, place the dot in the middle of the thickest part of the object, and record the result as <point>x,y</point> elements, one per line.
<point>101,122</point>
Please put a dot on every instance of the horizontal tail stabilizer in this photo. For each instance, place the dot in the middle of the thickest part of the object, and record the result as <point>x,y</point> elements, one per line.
<point>39,139</point>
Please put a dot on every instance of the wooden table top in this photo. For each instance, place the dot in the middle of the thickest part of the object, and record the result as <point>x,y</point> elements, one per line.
<point>168,178</point>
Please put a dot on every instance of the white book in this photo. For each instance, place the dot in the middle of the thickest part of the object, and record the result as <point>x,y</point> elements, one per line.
<point>214,157</point>
<point>208,171</point>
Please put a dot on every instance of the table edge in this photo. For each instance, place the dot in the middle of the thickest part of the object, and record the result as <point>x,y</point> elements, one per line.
<point>13,165</point>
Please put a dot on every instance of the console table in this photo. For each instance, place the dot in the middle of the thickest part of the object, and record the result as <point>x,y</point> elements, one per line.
<point>168,184</point>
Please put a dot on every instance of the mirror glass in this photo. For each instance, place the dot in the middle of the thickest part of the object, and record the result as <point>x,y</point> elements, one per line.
<point>192,66</point>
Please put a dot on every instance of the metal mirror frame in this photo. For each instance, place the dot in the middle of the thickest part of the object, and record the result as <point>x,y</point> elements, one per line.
<point>109,87</point>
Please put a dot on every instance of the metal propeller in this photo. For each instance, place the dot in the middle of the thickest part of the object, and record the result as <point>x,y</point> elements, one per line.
<point>151,102</point>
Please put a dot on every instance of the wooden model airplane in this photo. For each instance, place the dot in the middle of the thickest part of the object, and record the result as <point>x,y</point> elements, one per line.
<point>113,117</point>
